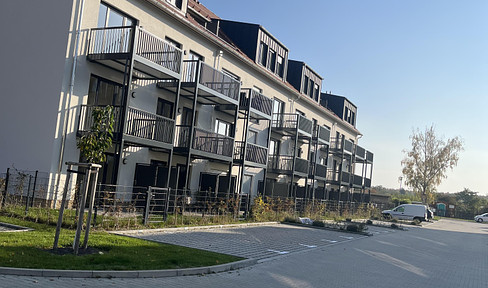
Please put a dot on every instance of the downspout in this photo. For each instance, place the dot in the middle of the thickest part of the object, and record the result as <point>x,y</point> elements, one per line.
<point>71,85</point>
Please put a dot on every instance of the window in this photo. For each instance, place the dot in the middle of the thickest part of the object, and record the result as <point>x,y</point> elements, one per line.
<point>177,3</point>
<point>103,92</point>
<point>222,127</point>
<point>310,91</point>
<point>305,85</point>
<point>299,112</point>
<point>192,66</point>
<point>165,108</point>
<point>263,54</point>
<point>400,209</point>
<point>173,42</point>
<point>316,92</point>
<point>257,89</point>
<point>272,60</point>
<point>110,17</point>
<point>280,65</point>
<point>278,108</point>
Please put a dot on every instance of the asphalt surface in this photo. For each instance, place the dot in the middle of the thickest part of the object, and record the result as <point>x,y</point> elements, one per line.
<point>443,254</point>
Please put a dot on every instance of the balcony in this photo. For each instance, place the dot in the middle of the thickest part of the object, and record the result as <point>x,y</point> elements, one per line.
<point>339,145</point>
<point>369,157</point>
<point>282,164</point>
<point>337,177</point>
<point>140,127</point>
<point>205,143</point>
<point>153,56</point>
<point>357,181</point>
<point>85,121</point>
<point>212,87</point>
<point>360,153</point>
<point>322,134</point>
<point>290,124</point>
<point>259,105</point>
<point>367,183</point>
<point>149,129</point>
<point>318,171</point>
<point>255,154</point>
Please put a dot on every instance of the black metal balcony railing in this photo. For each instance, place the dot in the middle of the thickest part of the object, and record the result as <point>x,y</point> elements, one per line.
<point>211,78</point>
<point>204,141</point>
<point>86,119</point>
<point>318,170</point>
<point>118,40</point>
<point>110,40</point>
<point>369,156</point>
<point>254,153</point>
<point>348,146</point>
<point>322,133</point>
<point>158,51</point>
<point>285,163</point>
<point>357,180</point>
<point>367,183</point>
<point>341,145</point>
<point>360,152</point>
<point>289,120</point>
<point>257,101</point>
<point>149,126</point>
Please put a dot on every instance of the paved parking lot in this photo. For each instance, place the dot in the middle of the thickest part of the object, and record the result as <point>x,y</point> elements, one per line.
<point>257,242</point>
<point>443,254</point>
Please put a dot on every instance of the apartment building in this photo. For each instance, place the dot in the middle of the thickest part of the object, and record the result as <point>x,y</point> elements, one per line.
<point>201,104</point>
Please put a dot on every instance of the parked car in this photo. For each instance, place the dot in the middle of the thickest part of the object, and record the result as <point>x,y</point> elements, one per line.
<point>481,218</point>
<point>407,212</point>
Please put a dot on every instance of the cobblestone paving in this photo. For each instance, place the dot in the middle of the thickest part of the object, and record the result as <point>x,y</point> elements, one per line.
<point>259,242</point>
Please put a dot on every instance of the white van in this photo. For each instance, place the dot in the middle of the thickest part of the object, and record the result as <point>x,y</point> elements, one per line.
<point>407,212</point>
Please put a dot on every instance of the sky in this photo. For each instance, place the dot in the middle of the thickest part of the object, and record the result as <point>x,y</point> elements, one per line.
<point>404,64</point>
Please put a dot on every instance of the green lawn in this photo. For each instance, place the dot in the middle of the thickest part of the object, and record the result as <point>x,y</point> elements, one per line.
<point>30,250</point>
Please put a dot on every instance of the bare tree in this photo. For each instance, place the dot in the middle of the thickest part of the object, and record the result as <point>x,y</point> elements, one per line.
<point>425,166</point>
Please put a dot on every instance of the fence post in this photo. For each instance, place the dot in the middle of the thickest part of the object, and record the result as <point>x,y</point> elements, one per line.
<point>148,201</point>
<point>27,197</point>
<point>6,187</point>
<point>34,189</point>
<point>166,206</point>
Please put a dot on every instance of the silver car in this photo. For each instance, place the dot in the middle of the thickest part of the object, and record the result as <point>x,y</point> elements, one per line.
<point>481,218</point>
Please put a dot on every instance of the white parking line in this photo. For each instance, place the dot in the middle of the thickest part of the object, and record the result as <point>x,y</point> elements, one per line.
<point>330,241</point>
<point>279,252</point>
<point>308,246</point>
<point>346,237</point>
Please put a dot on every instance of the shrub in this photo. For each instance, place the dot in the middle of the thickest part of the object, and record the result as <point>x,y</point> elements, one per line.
<point>394,226</point>
<point>318,223</point>
<point>369,222</point>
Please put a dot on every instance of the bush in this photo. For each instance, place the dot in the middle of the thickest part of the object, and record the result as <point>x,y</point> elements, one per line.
<point>394,226</point>
<point>291,220</point>
<point>318,223</point>
<point>369,222</point>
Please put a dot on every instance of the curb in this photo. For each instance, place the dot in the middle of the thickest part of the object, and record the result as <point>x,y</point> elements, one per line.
<point>127,274</point>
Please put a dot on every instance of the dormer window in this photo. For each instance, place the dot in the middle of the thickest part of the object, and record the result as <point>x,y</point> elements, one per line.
<point>263,54</point>
<point>280,66</point>
<point>176,3</point>
<point>272,60</point>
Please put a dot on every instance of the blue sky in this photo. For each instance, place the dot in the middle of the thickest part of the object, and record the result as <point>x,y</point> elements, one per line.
<point>405,64</point>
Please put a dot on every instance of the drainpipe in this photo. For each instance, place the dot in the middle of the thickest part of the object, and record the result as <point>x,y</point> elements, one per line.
<point>71,85</point>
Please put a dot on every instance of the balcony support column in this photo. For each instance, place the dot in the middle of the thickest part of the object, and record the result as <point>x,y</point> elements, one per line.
<point>170,154</point>
<point>244,138</point>
<point>128,70</point>
<point>192,126</point>
<point>231,163</point>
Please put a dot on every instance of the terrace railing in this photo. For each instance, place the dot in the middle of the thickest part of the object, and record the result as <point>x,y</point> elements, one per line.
<point>254,153</point>
<point>285,163</point>
<point>85,121</point>
<point>150,126</point>
<point>256,101</point>
<point>118,40</point>
<point>211,78</point>
<point>290,121</point>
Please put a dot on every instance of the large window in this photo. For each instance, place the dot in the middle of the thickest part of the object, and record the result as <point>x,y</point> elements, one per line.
<point>110,17</point>
<point>305,85</point>
<point>103,92</point>
<point>173,42</point>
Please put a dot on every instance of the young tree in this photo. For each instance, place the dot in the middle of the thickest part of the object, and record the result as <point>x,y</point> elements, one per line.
<point>93,144</point>
<point>426,164</point>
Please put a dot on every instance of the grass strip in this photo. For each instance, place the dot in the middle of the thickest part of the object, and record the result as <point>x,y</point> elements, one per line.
<point>31,250</point>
